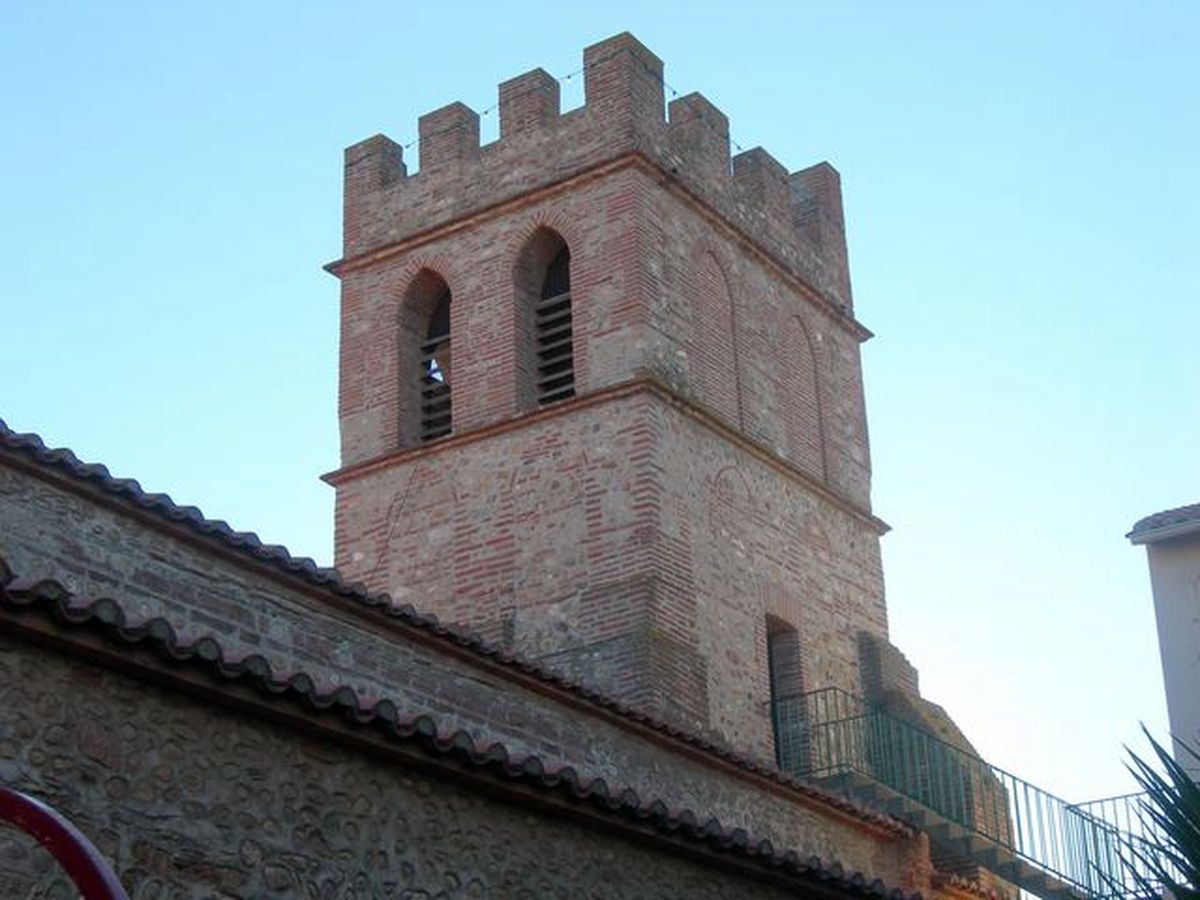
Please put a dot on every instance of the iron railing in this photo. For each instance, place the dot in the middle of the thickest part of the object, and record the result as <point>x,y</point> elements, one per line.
<point>994,817</point>
<point>1141,838</point>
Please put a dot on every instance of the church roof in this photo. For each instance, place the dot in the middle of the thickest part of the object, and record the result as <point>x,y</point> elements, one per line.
<point>63,463</point>
<point>51,602</point>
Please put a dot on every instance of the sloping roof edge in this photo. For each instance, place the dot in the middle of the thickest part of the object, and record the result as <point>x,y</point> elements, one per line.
<point>1167,524</point>
<point>63,462</point>
<point>299,690</point>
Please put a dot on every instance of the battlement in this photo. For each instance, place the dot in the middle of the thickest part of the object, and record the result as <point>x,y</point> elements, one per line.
<point>796,217</point>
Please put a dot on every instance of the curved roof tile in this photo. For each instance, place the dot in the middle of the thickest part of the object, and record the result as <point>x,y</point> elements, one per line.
<point>61,461</point>
<point>104,615</point>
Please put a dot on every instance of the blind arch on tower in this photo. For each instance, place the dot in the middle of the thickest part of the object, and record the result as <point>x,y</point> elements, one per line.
<point>425,362</point>
<point>545,325</point>
<point>799,385</point>
<point>713,354</point>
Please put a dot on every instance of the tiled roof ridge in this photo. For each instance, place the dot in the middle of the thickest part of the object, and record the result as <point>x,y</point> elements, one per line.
<point>1179,515</point>
<point>65,461</point>
<point>106,615</point>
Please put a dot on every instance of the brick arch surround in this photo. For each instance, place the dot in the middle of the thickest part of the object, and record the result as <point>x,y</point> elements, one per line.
<point>419,304</point>
<point>546,219</point>
<point>369,391</point>
<point>801,401</point>
<point>557,223</point>
<point>397,281</point>
<point>529,269</point>
<point>713,347</point>
<point>731,500</point>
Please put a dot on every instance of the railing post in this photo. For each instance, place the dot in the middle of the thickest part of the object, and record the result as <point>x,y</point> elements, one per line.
<point>833,733</point>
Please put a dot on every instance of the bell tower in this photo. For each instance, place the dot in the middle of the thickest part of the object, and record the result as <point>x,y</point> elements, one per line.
<point>601,398</point>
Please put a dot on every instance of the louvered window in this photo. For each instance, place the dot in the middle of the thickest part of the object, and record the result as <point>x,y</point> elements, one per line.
<point>435,373</point>
<point>552,326</point>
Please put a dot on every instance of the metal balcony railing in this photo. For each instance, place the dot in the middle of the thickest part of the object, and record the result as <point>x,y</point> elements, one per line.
<point>975,810</point>
<point>1140,836</point>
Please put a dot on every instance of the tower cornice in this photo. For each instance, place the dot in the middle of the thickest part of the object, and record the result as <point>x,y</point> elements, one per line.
<point>642,385</point>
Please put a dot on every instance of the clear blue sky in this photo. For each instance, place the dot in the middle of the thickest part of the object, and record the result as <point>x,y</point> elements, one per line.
<point>1021,188</point>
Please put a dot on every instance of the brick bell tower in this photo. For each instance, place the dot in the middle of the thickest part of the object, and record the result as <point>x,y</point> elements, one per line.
<point>601,399</point>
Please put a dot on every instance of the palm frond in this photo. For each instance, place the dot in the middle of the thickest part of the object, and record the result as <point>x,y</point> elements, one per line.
<point>1169,860</point>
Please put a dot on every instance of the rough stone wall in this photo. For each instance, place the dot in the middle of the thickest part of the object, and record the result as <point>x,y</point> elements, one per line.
<point>60,532</point>
<point>187,800</point>
<point>885,670</point>
<point>634,546</point>
<point>891,681</point>
<point>758,544</point>
<point>545,538</point>
<point>738,337</point>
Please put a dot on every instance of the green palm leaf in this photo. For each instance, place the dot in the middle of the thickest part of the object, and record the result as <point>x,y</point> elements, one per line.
<point>1170,811</point>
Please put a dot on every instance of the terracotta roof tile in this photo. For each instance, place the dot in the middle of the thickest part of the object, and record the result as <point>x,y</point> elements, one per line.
<point>63,462</point>
<point>104,615</point>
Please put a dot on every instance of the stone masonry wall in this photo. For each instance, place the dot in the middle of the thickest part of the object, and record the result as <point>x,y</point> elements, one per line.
<point>187,800</point>
<point>655,290</point>
<point>759,544</point>
<point>545,538</point>
<point>632,545</point>
<point>65,532</point>
<point>737,337</point>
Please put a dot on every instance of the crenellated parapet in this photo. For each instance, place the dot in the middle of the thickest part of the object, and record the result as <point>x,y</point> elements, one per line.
<point>796,218</point>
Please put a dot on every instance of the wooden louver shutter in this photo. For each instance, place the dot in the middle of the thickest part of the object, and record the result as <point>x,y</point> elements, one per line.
<point>552,323</point>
